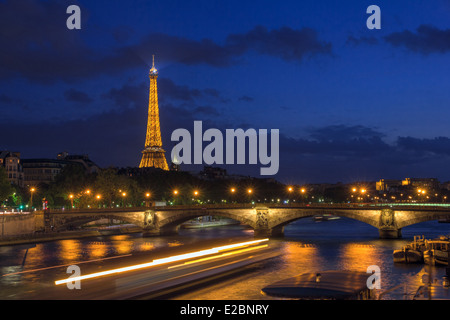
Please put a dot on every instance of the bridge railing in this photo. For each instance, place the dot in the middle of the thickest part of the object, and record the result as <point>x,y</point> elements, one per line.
<point>364,206</point>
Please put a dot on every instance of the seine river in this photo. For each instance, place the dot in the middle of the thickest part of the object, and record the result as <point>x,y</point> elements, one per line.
<point>308,246</point>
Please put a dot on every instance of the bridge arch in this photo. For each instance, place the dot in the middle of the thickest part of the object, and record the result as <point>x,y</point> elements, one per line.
<point>61,223</point>
<point>283,217</point>
<point>171,223</point>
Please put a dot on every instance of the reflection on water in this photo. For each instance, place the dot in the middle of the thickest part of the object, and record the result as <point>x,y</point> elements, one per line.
<point>308,246</point>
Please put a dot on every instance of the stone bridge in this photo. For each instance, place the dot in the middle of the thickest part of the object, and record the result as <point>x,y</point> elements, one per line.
<point>267,220</point>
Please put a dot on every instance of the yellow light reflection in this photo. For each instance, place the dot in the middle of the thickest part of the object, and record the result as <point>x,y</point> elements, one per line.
<point>359,256</point>
<point>97,249</point>
<point>156,262</point>
<point>70,250</point>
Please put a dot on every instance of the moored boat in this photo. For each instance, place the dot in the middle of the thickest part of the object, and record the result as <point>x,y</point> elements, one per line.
<point>412,252</point>
<point>437,251</point>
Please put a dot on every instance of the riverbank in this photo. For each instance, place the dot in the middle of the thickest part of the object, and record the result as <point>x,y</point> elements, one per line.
<point>52,236</point>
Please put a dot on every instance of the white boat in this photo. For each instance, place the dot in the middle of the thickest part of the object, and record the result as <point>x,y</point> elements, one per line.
<point>325,217</point>
<point>437,251</point>
<point>208,223</point>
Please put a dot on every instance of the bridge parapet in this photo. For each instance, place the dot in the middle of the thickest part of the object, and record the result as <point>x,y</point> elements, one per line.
<point>266,220</point>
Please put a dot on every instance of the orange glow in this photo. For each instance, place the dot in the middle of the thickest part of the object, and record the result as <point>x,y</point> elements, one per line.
<point>161,261</point>
<point>290,189</point>
<point>233,190</point>
<point>302,190</point>
<point>147,194</point>
<point>71,196</point>
<point>195,193</point>
<point>175,192</point>
<point>249,190</point>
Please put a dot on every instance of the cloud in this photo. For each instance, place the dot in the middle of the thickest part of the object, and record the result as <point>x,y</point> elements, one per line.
<point>426,147</point>
<point>245,98</point>
<point>328,154</point>
<point>6,99</point>
<point>426,40</point>
<point>40,48</point>
<point>128,96</point>
<point>136,95</point>
<point>285,43</point>
<point>361,40</point>
<point>75,95</point>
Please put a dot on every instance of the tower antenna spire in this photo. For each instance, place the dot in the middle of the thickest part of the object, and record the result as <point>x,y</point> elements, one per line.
<point>153,70</point>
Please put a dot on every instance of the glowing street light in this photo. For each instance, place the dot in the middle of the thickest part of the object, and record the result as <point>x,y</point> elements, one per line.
<point>233,190</point>
<point>147,197</point>
<point>175,192</point>
<point>32,190</point>
<point>249,191</point>
<point>71,200</point>
<point>124,194</point>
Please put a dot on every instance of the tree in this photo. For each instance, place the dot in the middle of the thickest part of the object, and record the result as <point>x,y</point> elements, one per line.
<point>108,184</point>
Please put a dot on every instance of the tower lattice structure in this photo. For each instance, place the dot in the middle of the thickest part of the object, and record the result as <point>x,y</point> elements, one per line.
<point>153,155</point>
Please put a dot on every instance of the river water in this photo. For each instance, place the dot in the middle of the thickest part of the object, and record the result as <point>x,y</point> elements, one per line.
<point>308,246</point>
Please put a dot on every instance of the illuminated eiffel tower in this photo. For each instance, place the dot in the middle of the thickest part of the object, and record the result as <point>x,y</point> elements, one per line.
<point>153,154</point>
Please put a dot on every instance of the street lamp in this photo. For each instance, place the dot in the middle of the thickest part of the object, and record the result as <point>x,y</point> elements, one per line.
<point>124,194</point>
<point>147,197</point>
<point>71,200</point>
<point>31,198</point>
<point>98,197</point>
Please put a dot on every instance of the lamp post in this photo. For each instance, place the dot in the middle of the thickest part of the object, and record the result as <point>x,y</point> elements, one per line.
<point>32,190</point>
<point>147,199</point>
<point>195,193</point>
<point>124,194</point>
<point>98,197</point>
<point>71,200</point>
<point>303,192</point>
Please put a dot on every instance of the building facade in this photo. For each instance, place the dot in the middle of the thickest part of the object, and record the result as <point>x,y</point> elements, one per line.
<point>13,167</point>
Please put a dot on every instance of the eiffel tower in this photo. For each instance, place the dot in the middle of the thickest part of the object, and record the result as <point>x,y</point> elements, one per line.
<point>153,154</point>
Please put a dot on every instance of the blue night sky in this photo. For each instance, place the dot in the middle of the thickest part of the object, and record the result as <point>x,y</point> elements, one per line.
<point>351,103</point>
